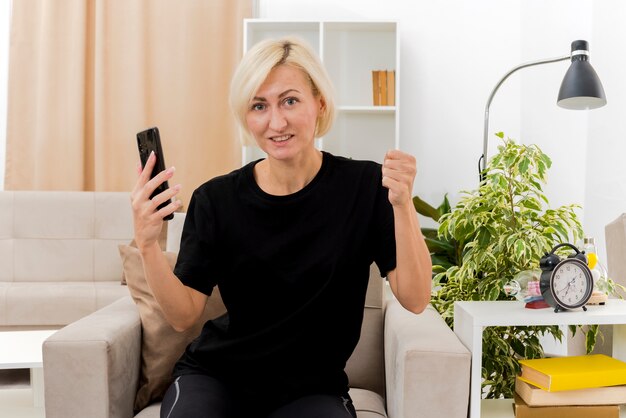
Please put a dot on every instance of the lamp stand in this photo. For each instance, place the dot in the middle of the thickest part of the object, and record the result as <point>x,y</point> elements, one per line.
<point>482,162</point>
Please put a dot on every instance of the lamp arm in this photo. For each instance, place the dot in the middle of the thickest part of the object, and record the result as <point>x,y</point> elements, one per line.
<point>483,158</point>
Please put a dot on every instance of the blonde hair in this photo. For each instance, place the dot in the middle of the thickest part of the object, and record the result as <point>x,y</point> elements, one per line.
<point>259,61</point>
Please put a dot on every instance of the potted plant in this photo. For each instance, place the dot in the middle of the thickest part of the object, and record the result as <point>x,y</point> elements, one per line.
<point>494,232</point>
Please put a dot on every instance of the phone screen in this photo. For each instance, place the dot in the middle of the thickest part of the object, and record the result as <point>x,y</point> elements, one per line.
<point>147,142</point>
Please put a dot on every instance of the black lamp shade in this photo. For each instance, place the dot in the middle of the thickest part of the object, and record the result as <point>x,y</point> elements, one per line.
<point>581,88</point>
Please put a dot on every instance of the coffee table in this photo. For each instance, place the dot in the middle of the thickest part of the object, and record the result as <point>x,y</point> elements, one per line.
<point>22,350</point>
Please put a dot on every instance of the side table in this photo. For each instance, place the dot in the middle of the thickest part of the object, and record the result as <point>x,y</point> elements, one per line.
<point>471,318</point>
<point>22,350</point>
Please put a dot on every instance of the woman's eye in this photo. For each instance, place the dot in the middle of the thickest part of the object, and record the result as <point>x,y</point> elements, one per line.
<point>290,101</point>
<point>258,106</point>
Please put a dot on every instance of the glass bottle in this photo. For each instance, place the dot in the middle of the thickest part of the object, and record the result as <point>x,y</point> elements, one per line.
<point>598,271</point>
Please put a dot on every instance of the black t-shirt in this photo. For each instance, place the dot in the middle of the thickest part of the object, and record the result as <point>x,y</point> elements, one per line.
<point>292,271</point>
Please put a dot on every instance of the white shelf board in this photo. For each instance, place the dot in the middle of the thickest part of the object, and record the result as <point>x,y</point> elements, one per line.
<point>367,109</point>
<point>510,313</point>
<point>363,26</point>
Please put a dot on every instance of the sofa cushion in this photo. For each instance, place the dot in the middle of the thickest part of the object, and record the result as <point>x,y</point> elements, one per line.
<point>58,303</point>
<point>367,404</point>
<point>161,345</point>
<point>365,368</point>
<point>151,411</point>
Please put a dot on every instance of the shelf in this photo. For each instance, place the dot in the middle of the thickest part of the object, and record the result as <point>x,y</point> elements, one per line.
<point>363,26</point>
<point>362,136</point>
<point>367,109</point>
<point>368,51</point>
<point>510,313</point>
<point>350,51</point>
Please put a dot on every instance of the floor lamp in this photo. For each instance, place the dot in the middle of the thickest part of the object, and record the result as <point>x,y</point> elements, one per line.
<point>581,89</point>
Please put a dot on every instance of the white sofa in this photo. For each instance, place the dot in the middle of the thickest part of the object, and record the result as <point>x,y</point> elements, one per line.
<point>58,255</point>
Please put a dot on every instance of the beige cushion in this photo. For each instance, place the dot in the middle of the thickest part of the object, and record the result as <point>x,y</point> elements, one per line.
<point>615,237</point>
<point>162,242</point>
<point>58,303</point>
<point>365,368</point>
<point>161,345</point>
<point>367,404</point>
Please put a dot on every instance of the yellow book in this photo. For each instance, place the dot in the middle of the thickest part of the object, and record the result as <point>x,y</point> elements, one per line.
<point>574,372</point>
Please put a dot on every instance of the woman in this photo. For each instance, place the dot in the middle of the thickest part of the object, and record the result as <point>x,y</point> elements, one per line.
<point>289,240</point>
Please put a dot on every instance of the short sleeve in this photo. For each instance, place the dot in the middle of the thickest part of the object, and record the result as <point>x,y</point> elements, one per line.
<point>195,266</point>
<point>385,238</point>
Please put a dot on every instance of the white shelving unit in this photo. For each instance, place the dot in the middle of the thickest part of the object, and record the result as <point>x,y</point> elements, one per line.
<point>350,51</point>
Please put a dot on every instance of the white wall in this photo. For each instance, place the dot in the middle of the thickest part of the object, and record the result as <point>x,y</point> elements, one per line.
<point>605,179</point>
<point>453,52</point>
<point>5,19</point>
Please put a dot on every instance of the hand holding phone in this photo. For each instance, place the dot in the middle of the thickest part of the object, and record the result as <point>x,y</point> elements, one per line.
<point>149,141</point>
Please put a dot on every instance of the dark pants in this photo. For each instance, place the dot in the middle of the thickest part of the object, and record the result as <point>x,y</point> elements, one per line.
<point>199,396</point>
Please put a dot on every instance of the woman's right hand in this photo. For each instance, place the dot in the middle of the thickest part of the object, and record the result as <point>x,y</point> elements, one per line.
<point>147,220</point>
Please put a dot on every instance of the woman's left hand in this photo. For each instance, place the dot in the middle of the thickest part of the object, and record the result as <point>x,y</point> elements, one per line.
<point>399,171</point>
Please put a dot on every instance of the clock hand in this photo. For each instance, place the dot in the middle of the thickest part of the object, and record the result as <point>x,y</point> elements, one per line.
<point>566,289</point>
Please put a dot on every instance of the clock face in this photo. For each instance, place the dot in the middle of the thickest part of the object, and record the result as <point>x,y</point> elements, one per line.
<point>571,283</point>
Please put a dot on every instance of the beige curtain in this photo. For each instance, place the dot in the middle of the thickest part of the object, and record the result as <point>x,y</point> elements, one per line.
<point>86,75</point>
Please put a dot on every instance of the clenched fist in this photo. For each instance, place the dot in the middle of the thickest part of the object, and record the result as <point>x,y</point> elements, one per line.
<point>399,171</point>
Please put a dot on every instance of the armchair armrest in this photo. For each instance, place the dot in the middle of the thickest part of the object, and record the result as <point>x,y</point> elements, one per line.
<point>427,368</point>
<point>92,365</point>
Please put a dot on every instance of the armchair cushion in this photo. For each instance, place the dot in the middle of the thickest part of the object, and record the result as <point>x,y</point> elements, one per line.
<point>161,345</point>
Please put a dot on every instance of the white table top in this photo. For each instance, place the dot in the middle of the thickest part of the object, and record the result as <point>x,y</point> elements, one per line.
<point>22,349</point>
<point>508,313</point>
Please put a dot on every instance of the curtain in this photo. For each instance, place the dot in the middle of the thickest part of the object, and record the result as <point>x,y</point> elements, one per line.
<point>86,75</point>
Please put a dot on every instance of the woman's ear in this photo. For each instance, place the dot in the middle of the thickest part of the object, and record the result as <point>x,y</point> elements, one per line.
<point>322,104</point>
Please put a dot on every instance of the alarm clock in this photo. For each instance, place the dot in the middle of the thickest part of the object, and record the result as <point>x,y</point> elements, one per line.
<point>565,283</point>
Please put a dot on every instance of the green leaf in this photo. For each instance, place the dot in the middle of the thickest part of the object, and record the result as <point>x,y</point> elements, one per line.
<point>523,166</point>
<point>441,262</point>
<point>561,231</point>
<point>520,249</point>
<point>531,204</point>
<point>425,209</point>
<point>444,207</point>
<point>493,293</point>
<point>591,338</point>
<point>438,246</point>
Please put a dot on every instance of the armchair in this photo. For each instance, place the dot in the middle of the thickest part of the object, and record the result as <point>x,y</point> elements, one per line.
<point>404,366</point>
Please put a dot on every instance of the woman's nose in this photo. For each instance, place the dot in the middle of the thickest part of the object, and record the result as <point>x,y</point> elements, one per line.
<point>278,121</point>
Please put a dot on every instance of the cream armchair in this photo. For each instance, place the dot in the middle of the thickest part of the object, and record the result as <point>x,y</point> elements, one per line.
<point>405,365</point>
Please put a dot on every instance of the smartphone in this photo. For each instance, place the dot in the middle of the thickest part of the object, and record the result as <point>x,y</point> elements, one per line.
<point>147,142</point>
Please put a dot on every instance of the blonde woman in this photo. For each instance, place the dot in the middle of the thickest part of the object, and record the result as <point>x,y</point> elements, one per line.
<point>289,240</point>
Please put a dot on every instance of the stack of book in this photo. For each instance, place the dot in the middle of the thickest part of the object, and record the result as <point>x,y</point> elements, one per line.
<point>384,87</point>
<point>591,386</point>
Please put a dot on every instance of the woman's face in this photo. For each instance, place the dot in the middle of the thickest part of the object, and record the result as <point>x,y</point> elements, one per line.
<point>283,114</point>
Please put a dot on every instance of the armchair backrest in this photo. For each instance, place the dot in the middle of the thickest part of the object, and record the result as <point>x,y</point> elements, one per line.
<point>615,237</point>
<point>365,368</point>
